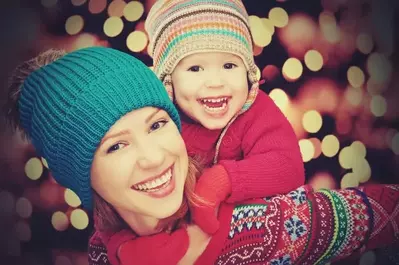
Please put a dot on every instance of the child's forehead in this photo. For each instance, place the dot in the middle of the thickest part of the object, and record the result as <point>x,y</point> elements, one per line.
<point>210,56</point>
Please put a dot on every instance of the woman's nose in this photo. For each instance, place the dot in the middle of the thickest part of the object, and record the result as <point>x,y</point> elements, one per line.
<point>150,155</point>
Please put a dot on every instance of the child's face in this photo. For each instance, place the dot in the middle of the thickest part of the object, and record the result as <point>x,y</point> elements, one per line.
<point>211,87</point>
<point>141,165</point>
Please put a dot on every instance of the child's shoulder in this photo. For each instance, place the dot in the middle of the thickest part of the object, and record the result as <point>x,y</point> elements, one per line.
<point>263,103</point>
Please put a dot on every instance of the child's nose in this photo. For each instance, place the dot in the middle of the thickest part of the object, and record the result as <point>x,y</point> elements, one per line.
<point>214,79</point>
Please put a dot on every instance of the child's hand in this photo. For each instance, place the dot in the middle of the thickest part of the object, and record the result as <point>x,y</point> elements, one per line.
<point>163,248</point>
<point>213,187</point>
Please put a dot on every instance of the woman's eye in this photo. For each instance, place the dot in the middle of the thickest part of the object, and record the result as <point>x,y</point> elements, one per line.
<point>229,66</point>
<point>194,68</point>
<point>115,147</point>
<point>158,125</point>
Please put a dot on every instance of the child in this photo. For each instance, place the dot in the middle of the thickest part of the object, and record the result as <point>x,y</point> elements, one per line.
<point>202,51</point>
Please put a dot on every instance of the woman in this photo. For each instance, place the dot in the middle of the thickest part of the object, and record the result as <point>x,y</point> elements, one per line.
<point>109,132</point>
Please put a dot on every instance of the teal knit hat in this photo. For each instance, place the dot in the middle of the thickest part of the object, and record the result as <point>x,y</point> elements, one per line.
<point>66,108</point>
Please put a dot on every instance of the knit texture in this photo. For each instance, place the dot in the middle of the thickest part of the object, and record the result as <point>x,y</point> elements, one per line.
<point>67,107</point>
<point>179,28</point>
<point>301,227</point>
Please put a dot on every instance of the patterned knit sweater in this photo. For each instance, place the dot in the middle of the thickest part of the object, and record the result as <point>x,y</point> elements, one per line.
<point>302,227</point>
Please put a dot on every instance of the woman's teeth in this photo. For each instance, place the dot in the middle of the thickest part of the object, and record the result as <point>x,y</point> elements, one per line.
<point>156,184</point>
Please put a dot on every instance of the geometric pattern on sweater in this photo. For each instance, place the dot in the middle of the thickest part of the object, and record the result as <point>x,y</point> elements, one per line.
<point>247,217</point>
<point>97,253</point>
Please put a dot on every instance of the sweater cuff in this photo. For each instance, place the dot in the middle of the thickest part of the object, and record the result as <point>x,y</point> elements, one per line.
<point>235,187</point>
<point>115,242</point>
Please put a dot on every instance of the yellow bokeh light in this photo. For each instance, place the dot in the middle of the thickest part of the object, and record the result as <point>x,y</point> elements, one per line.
<point>354,95</point>
<point>312,121</point>
<point>292,69</point>
<point>34,168</point>
<point>23,231</point>
<point>328,26</point>
<point>60,221</point>
<point>355,76</point>
<point>379,68</point>
<point>395,143</point>
<point>280,98</point>
<point>268,25</point>
<point>133,11</point>
<point>349,180</point>
<point>78,2</point>
<point>364,43</point>
<point>317,147</point>
<point>136,41</point>
<point>278,17</point>
<point>79,219</point>
<point>307,149</point>
<point>71,198</point>
<point>359,149</point>
<point>313,60</point>
<point>74,24</point>
<point>44,162</point>
<point>113,26</point>
<point>346,157</point>
<point>362,170</point>
<point>23,207</point>
<point>116,7</point>
<point>330,145</point>
<point>261,36</point>
<point>378,105</point>
<point>97,6</point>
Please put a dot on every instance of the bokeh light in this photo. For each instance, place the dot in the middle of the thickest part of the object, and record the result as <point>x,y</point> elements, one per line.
<point>44,162</point>
<point>116,7</point>
<point>307,149</point>
<point>379,68</point>
<point>346,157</point>
<point>62,260</point>
<point>74,24</point>
<point>330,145</point>
<point>113,26</point>
<point>359,149</point>
<point>354,95</point>
<point>355,76</point>
<point>97,6</point>
<point>278,17</point>
<point>133,11</point>
<point>395,143</point>
<point>361,169</point>
<point>378,105</point>
<point>49,3</point>
<point>270,72</point>
<point>23,207</point>
<point>322,180</point>
<point>312,121</point>
<point>78,2</point>
<point>317,147</point>
<point>364,43</point>
<point>280,98</point>
<point>71,198</point>
<point>313,60</point>
<point>34,168</point>
<point>349,180</point>
<point>268,25</point>
<point>292,69</point>
<point>23,231</point>
<point>260,34</point>
<point>79,219</point>
<point>136,41</point>
<point>60,221</point>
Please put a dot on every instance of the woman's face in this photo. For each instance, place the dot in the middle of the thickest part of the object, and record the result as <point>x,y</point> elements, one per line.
<point>141,165</point>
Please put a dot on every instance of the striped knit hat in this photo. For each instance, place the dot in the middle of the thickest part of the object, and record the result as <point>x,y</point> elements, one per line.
<point>178,28</point>
<point>67,107</point>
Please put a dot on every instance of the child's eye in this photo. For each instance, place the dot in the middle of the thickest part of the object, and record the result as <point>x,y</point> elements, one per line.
<point>158,125</point>
<point>194,68</point>
<point>115,147</point>
<point>229,66</point>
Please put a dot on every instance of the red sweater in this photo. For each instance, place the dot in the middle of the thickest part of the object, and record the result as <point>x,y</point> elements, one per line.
<point>302,227</point>
<point>259,151</point>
